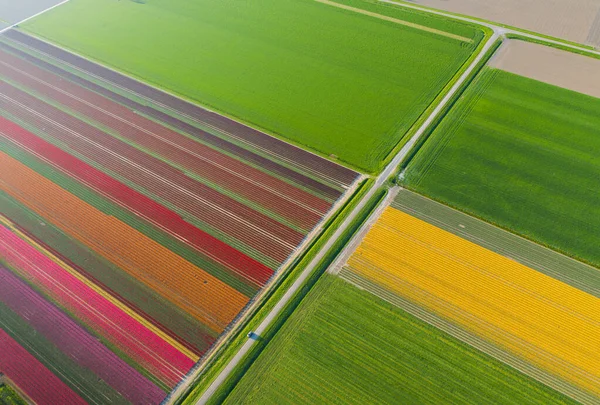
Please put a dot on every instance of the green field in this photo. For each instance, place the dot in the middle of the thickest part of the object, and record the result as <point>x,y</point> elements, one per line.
<point>524,155</point>
<point>335,80</point>
<point>345,346</point>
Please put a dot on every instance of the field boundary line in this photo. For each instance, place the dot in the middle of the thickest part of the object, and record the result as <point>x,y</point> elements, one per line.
<point>166,140</point>
<point>499,29</point>
<point>33,16</point>
<point>468,236</point>
<point>396,21</point>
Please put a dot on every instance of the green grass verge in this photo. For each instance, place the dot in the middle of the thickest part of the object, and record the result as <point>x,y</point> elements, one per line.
<point>521,154</point>
<point>8,396</point>
<point>346,346</point>
<point>277,292</point>
<point>334,80</point>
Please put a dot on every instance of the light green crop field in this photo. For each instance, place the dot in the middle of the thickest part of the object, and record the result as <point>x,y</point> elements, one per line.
<point>336,80</point>
<point>346,346</point>
<point>524,155</point>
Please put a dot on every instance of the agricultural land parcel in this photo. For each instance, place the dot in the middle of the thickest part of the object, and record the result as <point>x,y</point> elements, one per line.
<point>322,74</point>
<point>346,346</point>
<point>524,312</point>
<point>549,65</point>
<point>521,154</point>
<point>132,235</point>
<point>574,21</point>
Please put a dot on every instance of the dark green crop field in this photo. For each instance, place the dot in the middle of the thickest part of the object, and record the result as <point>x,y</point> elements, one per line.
<point>524,155</point>
<point>333,79</point>
<point>346,346</point>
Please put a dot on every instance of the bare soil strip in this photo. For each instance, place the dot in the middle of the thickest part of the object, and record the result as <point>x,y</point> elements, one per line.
<point>470,339</point>
<point>550,65</point>
<point>553,264</point>
<point>396,21</point>
<point>558,18</point>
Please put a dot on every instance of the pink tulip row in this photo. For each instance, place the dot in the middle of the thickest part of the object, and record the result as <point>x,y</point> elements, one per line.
<point>105,318</point>
<point>74,341</point>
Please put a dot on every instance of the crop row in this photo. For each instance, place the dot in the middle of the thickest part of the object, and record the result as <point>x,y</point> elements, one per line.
<point>136,202</point>
<point>528,313</point>
<point>31,376</point>
<point>146,303</point>
<point>75,341</point>
<point>197,292</point>
<point>298,206</point>
<point>152,175</point>
<point>91,306</point>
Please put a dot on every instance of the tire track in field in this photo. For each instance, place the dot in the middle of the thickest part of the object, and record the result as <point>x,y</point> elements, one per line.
<point>396,21</point>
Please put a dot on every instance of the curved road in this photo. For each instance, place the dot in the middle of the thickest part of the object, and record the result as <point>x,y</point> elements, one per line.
<point>499,32</point>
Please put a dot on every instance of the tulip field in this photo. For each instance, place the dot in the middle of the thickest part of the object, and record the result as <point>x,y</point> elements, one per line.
<point>547,324</point>
<point>135,227</point>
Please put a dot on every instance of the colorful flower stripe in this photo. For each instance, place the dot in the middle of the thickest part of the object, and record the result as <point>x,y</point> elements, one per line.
<point>195,291</point>
<point>233,260</point>
<point>75,341</point>
<point>80,379</point>
<point>540,319</point>
<point>132,296</point>
<point>153,177</point>
<point>141,344</point>
<point>35,380</point>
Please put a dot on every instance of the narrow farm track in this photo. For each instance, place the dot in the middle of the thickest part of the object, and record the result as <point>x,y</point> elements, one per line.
<point>250,227</point>
<point>152,229</point>
<point>129,129</point>
<point>292,155</point>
